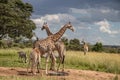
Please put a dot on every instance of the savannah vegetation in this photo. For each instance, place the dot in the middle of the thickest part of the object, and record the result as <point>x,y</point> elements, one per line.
<point>16,27</point>
<point>97,61</point>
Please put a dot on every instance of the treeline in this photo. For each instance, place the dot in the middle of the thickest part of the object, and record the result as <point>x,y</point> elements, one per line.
<point>77,45</point>
<point>72,44</point>
<point>16,43</point>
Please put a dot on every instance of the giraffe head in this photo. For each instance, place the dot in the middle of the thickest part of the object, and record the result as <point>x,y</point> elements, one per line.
<point>69,26</point>
<point>83,41</point>
<point>44,26</point>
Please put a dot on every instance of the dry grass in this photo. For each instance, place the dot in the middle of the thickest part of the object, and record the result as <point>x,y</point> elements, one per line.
<point>94,61</point>
<point>74,59</point>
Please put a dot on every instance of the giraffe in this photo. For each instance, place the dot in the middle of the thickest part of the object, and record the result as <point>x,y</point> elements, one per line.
<point>85,47</point>
<point>34,60</point>
<point>59,46</point>
<point>45,26</point>
<point>47,45</point>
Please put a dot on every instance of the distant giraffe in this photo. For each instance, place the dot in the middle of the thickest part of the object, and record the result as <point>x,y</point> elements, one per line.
<point>85,47</point>
<point>60,47</point>
<point>47,45</point>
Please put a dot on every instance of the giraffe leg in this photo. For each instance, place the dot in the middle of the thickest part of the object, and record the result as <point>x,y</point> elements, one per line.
<point>52,62</point>
<point>34,65</point>
<point>28,66</point>
<point>60,61</point>
<point>63,62</point>
<point>34,69</point>
<point>38,63</point>
<point>58,65</point>
<point>84,53</point>
<point>47,60</point>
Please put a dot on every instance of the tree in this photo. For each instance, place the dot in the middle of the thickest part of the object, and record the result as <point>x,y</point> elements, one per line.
<point>98,47</point>
<point>15,18</point>
<point>74,44</point>
<point>65,40</point>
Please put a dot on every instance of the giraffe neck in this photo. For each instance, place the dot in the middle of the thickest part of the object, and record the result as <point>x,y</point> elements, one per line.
<point>84,44</point>
<point>48,31</point>
<point>59,34</point>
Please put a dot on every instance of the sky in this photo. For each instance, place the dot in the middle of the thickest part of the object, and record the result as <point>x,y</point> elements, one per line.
<point>93,20</point>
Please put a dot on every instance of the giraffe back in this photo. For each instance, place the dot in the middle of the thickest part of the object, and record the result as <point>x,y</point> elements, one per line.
<point>43,44</point>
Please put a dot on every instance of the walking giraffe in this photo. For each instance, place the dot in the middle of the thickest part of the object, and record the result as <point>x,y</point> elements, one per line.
<point>59,46</point>
<point>47,45</point>
<point>85,47</point>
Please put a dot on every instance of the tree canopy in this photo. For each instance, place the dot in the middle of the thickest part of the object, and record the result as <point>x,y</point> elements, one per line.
<point>74,44</point>
<point>98,47</point>
<point>15,18</point>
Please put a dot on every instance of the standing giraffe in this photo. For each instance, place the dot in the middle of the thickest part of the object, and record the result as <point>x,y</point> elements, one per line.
<point>85,47</point>
<point>34,60</point>
<point>59,46</point>
<point>47,45</point>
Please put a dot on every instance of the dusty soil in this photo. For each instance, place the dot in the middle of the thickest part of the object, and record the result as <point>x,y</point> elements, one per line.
<point>69,74</point>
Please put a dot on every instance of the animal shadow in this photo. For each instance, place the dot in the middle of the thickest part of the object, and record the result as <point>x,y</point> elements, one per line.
<point>58,74</point>
<point>22,73</point>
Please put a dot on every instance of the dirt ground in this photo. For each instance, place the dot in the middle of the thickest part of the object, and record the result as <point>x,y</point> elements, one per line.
<point>69,74</point>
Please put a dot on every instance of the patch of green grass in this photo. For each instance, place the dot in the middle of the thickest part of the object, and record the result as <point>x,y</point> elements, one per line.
<point>9,58</point>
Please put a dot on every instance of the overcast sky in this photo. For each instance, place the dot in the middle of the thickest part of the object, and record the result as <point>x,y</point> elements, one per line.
<point>93,20</point>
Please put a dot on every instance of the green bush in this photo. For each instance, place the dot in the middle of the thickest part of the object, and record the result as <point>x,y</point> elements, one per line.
<point>98,47</point>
